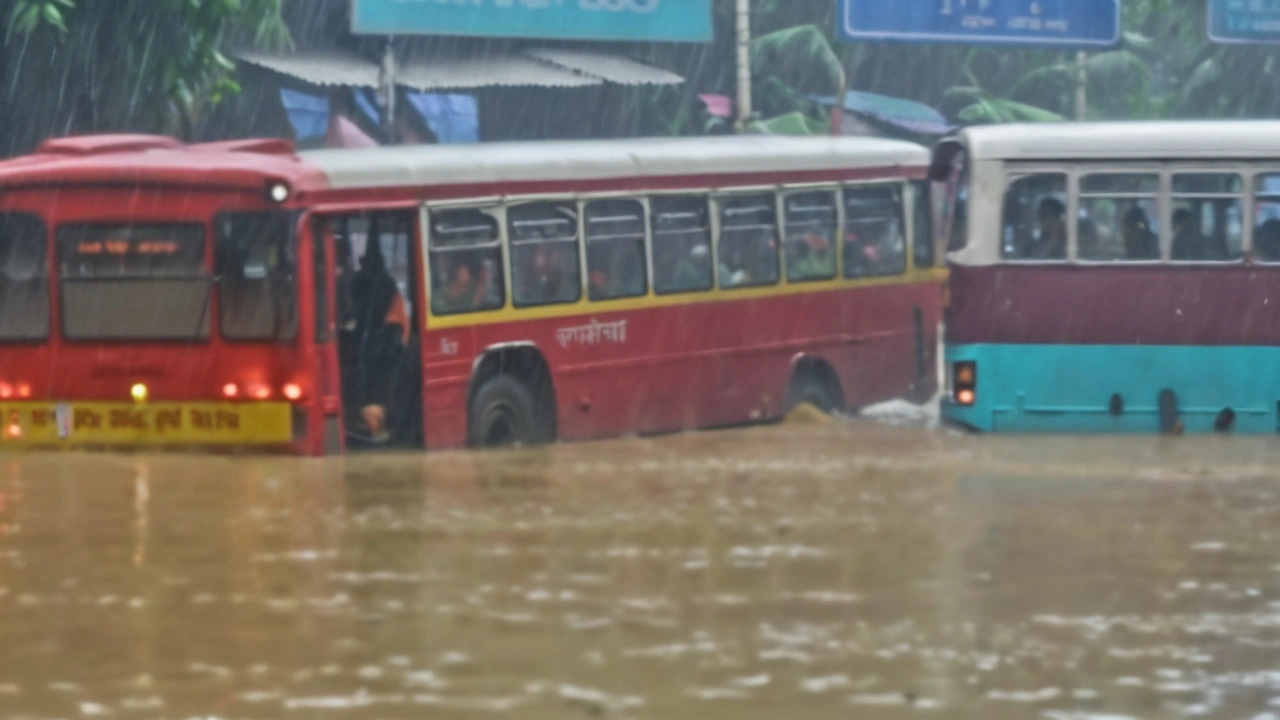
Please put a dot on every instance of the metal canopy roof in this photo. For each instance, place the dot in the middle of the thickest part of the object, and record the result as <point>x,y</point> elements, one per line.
<point>326,68</point>
<point>550,68</point>
<point>611,68</point>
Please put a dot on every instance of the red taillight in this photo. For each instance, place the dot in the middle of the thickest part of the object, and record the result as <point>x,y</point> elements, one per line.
<point>292,392</point>
<point>24,390</point>
<point>230,391</point>
<point>965,397</point>
<point>260,392</point>
<point>6,391</point>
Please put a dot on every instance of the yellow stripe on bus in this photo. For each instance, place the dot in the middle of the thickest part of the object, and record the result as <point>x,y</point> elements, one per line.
<point>583,306</point>
<point>98,423</point>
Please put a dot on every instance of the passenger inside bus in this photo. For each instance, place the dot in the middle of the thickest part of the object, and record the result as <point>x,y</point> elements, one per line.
<point>462,283</point>
<point>1266,244</point>
<point>812,258</point>
<point>1189,244</point>
<point>544,240</point>
<point>617,270</point>
<point>681,264</point>
<point>1140,243</point>
<point>1051,243</point>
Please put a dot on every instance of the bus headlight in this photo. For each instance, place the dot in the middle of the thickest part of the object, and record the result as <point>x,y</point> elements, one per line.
<point>277,192</point>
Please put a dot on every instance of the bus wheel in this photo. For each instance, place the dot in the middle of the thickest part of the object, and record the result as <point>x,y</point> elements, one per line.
<point>1168,407</point>
<point>502,414</point>
<point>811,390</point>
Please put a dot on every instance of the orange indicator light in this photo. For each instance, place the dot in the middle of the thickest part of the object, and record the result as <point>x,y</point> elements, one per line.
<point>293,392</point>
<point>965,397</point>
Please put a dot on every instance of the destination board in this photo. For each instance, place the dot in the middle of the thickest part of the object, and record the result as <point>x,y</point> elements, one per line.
<point>89,423</point>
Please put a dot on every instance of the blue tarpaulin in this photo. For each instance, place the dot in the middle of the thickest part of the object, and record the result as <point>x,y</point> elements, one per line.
<point>906,115</point>
<point>454,118</point>
<point>308,114</point>
<point>366,104</point>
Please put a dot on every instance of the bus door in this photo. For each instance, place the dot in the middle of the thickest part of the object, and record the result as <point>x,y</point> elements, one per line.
<point>324,307</point>
<point>378,342</point>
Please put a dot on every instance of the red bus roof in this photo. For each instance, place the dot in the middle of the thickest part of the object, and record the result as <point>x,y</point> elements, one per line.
<point>158,160</point>
<point>247,164</point>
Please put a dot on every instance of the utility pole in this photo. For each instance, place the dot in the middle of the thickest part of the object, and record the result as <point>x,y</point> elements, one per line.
<point>387,94</point>
<point>1082,78</point>
<point>744,64</point>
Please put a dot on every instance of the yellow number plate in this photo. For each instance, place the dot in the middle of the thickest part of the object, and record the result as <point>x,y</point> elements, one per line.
<point>89,423</point>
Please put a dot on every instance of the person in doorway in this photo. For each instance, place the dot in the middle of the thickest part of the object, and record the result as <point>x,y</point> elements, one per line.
<point>381,332</point>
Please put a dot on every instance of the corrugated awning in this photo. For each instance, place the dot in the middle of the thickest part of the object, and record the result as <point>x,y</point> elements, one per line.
<point>610,68</point>
<point>531,68</point>
<point>469,73</point>
<point>325,68</point>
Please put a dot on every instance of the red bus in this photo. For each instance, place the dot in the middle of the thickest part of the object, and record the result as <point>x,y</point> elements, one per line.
<point>243,294</point>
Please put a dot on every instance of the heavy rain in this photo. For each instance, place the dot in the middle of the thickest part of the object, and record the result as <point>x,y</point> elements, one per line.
<point>670,359</point>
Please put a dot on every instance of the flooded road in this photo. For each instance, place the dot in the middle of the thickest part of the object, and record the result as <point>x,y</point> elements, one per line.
<point>826,571</point>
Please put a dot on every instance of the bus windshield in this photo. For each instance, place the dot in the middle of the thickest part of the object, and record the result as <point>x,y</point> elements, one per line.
<point>257,269</point>
<point>126,282</point>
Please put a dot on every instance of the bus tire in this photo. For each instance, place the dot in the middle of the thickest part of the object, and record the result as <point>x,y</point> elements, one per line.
<point>811,390</point>
<point>502,415</point>
<point>1168,408</point>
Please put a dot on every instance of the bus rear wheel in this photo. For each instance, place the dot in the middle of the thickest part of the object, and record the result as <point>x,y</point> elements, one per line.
<point>812,391</point>
<point>503,414</point>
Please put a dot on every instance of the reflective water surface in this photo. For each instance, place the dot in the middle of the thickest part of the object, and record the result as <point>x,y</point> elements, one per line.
<point>807,571</point>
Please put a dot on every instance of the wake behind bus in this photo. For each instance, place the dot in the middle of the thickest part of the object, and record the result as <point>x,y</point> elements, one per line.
<point>242,294</point>
<point>1113,277</point>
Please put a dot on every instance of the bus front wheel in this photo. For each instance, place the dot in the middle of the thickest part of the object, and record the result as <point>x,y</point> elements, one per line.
<point>503,414</point>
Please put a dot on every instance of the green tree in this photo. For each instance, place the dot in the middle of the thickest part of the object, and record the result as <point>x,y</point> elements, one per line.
<point>73,66</point>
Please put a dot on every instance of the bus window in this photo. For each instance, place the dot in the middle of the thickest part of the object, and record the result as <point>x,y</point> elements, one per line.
<point>466,262</point>
<point>921,225</point>
<point>133,282</point>
<point>681,244</point>
<point>748,249</point>
<point>24,292</point>
<point>1035,218</point>
<point>1118,213</point>
<point>1266,231</point>
<point>874,241</point>
<point>1207,217</point>
<point>256,270</point>
<point>811,224</point>
<point>615,249</point>
<point>544,254</point>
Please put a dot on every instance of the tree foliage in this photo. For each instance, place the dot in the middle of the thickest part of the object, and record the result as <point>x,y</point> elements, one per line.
<point>1165,67</point>
<point>123,65</point>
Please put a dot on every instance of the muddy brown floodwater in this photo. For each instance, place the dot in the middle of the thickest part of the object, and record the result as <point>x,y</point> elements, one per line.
<point>829,571</point>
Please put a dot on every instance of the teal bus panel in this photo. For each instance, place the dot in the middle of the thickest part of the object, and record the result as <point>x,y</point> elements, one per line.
<point>1069,388</point>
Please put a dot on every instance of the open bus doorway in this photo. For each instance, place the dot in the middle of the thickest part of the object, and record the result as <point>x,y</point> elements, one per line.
<point>378,338</point>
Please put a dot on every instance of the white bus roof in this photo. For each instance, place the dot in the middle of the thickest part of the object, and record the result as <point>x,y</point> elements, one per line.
<point>601,159</point>
<point>1198,139</point>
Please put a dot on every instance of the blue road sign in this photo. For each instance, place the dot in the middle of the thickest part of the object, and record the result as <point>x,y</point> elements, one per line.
<point>1244,21</point>
<point>1034,23</point>
<point>637,20</point>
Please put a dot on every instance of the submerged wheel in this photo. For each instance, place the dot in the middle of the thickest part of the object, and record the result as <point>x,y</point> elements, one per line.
<point>1168,408</point>
<point>811,390</point>
<point>503,414</point>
